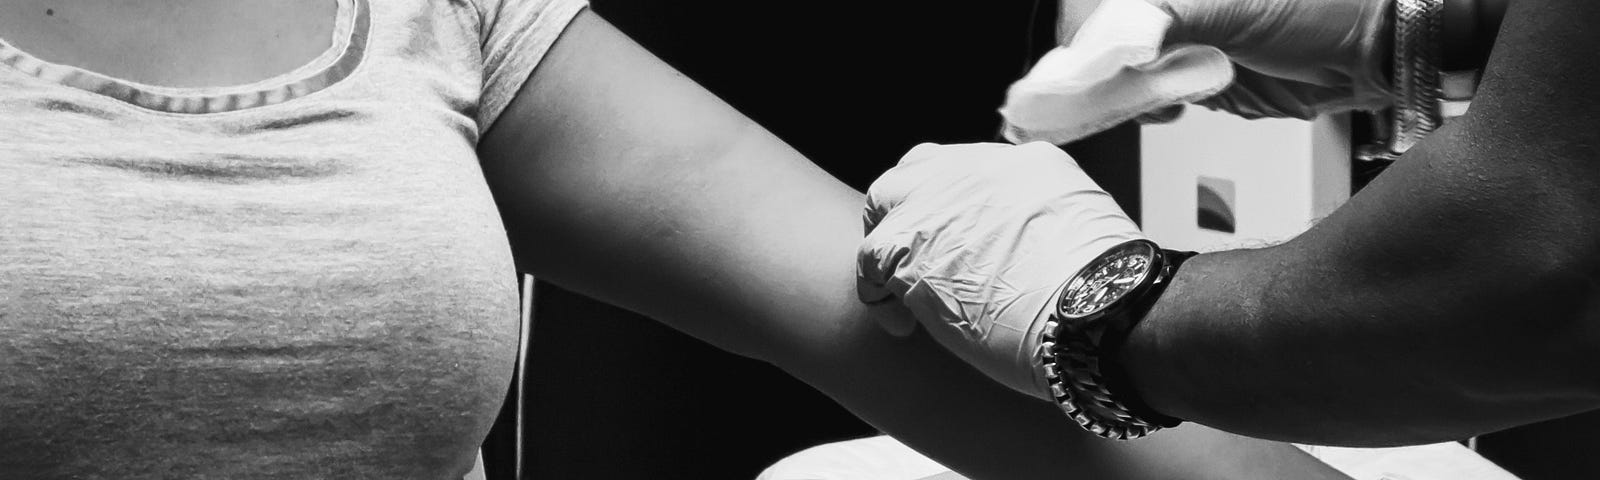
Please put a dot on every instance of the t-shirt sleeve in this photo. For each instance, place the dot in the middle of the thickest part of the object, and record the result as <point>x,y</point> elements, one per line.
<point>516,34</point>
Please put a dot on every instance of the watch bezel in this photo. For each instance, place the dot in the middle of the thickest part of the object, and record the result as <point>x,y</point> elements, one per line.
<point>1152,265</point>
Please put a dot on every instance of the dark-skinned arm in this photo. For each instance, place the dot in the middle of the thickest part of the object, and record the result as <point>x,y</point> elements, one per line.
<point>1453,296</point>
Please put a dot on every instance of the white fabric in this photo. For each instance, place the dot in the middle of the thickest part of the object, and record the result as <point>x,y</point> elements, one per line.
<point>1114,71</point>
<point>883,458</point>
<point>477,472</point>
<point>872,458</point>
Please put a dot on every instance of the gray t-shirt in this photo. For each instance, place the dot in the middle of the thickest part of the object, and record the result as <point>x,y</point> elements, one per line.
<point>304,277</point>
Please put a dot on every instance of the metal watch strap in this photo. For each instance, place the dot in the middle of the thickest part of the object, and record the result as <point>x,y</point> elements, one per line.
<point>1418,58</point>
<point>1085,381</point>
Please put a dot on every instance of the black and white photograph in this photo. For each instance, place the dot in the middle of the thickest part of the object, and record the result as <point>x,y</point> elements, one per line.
<point>748,240</point>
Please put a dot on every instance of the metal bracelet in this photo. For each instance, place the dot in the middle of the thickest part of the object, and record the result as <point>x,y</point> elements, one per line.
<point>1075,359</point>
<point>1417,78</point>
<point>1073,371</point>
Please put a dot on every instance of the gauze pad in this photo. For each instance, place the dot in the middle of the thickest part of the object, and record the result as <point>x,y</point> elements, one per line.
<point>1113,71</point>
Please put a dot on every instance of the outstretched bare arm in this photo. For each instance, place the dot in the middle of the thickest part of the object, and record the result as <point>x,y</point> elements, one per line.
<point>619,178</point>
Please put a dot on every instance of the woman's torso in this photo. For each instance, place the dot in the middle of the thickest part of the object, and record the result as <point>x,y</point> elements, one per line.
<point>302,277</point>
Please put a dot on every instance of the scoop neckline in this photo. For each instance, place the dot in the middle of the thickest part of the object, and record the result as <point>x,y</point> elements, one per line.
<point>352,26</point>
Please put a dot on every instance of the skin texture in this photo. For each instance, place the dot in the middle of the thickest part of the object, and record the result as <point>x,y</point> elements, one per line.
<point>1451,297</point>
<point>194,43</point>
<point>621,179</point>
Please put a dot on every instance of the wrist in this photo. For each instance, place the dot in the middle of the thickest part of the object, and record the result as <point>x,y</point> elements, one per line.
<point>1149,365</point>
<point>1155,357</point>
<point>1085,332</point>
<point>1181,358</point>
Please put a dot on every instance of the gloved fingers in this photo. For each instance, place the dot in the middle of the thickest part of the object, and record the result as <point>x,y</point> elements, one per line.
<point>870,291</point>
<point>1208,22</point>
<point>1257,95</point>
<point>916,169</point>
<point>888,191</point>
<point>994,331</point>
<point>880,259</point>
<point>1164,115</point>
<point>1047,154</point>
<point>931,151</point>
<point>927,166</point>
<point>1180,30</point>
<point>871,286</point>
<point>1329,43</point>
<point>1293,34</point>
<point>895,184</point>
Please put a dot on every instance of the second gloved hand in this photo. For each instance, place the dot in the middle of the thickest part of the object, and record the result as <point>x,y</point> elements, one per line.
<point>976,240</point>
<point>1255,58</point>
<point>1297,58</point>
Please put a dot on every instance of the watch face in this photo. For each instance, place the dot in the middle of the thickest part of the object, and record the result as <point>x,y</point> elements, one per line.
<point>1107,279</point>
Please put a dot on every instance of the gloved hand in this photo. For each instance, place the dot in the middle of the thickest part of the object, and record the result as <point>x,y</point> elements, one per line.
<point>1256,58</point>
<point>1296,58</point>
<point>976,240</point>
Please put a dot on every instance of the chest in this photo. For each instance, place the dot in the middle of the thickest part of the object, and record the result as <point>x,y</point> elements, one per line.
<point>174,43</point>
<point>178,301</point>
<point>317,287</point>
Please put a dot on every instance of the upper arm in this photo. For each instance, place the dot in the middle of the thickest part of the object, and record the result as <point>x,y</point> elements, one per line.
<point>620,178</point>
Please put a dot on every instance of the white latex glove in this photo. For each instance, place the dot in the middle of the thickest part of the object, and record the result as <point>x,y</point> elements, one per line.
<point>1115,71</point>
<point>1255,58</point>
<point>976,240</point>
<point>1298,58</point>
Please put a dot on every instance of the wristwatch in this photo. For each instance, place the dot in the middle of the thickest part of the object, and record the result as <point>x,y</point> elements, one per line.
<point>1096,309</point>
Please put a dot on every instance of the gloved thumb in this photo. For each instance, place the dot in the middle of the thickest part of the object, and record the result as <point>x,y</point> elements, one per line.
<point>877,261</point>
<point>871,290</point>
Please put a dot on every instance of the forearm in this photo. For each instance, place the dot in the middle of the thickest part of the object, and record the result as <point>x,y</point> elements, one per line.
<point>774,278</point>
<point>1451,297</point>
<point>914,390</point>
<point>1269,344</point>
